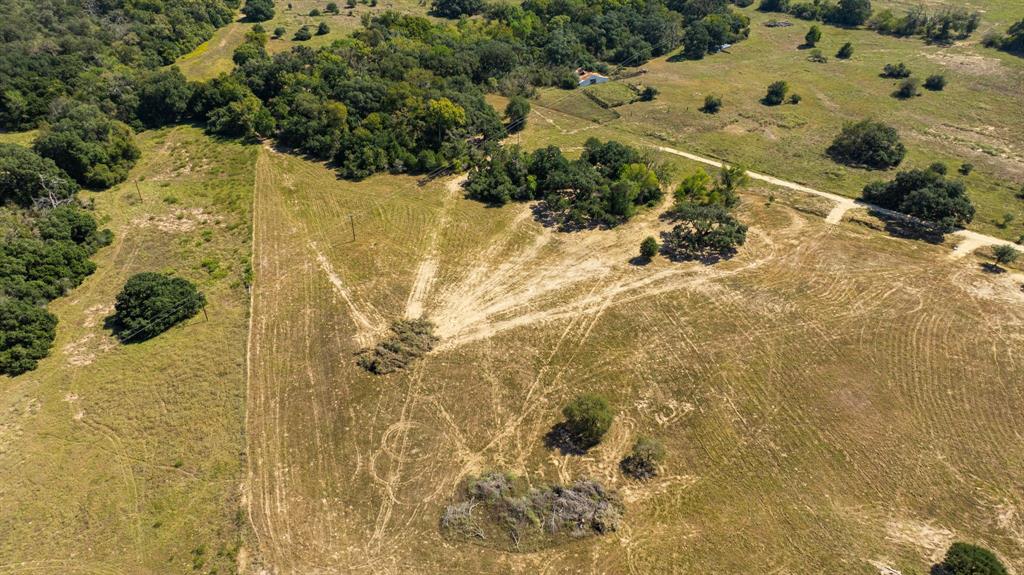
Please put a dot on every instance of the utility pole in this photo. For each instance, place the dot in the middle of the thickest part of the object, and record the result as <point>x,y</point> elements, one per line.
<point>205,314</point>
<point>352,223</point>
<point>137,190</point>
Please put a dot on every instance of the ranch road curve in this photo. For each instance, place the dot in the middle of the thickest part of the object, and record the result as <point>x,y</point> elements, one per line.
<point>970,241</point>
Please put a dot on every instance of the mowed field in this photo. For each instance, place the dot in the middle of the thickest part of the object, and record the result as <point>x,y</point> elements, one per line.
<point>978,118</point>
<point>832,399</point>
<point>129,459</point>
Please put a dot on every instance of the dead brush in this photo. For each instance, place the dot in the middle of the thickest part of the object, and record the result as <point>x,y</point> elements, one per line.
<point>409,339</point>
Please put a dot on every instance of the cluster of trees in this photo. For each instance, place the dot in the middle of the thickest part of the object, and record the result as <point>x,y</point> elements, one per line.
<point>151,303</point>
<point>868,144</point>
<point>92,148</point>
<point>942,26</point>
<point>604,187</point>
<point>88,50</point>
<point>705,227</point>
<point>939,204</point>
<point>1012,41</point>
<point>48,241</point>
<point>258,10</point>
<point>841,13</point>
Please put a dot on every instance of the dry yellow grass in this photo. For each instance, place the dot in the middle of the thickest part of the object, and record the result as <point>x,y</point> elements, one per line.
<point>832,399</point>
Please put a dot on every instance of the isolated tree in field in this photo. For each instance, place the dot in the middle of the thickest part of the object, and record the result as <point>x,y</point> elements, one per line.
<point>642,462</point>
<point>516,112</point>
<point>846,52</point>
<point>966,168</point>
<point>939,203</point>
<point>796,99</point>
<point>1005,254</point>
<point>322,29</point>
<point>703,232</point>
<point>456,8</point>
<point>649,248</point>
<point>279,32</point>
<point>967,559</point>
<point>302,34</point>
<point>868,143</point>
<point>813,36</point>
<point>151,303</point>
<point>26,333</point>
<point>938,168</point>
<point>935,82</point>
<point>93,149</point>
<point>776,94</point>
<point>25,177</point>
<point>850,12</point>
<point>712,104</point>
<point>258,10</point>
<point>587,419</point>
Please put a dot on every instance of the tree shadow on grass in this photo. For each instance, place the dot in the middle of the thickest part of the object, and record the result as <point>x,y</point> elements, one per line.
<point>992,268</point>
<point>562,438</point>
<point>911,229</point>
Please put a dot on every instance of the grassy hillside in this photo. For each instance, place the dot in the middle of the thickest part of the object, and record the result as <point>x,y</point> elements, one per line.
<point>128,458</point>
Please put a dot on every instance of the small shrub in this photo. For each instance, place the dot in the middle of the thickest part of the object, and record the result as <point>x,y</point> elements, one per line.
<point>795,99</point>
<point>332,8</point>
<point>648,94</point>
<point>813,36</point>
<point>642,462</point>
<point>939,168</point>
<point>907,89</point>
<point>649,247</point>
<point>279,32</point>
<point>776,93</point>
<point>322,29</point>
<point>817,56</point>
<point>409,340</point>
<point>712,104</point>
<point>302,34</point>
<point>935,82</point>
<point>846,52</point>
<point>966,168</point>
<point>314,12</point>
<point>896,71</point>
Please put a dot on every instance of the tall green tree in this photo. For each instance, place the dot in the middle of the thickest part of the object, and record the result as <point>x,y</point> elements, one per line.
<point>93,149</point>
<point>258,10</point>
<point>151,303</point>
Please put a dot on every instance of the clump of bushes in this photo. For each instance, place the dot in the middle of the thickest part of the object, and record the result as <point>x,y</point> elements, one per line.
<point>907,89</point>
<point>941,27</point>
<point>603,188</point>
<point>938,204</point>
<point>26,334</point>
<point>500,510</point>
<point>409,340</point>
<point>1012,41</point>
<point>151,303</point>
<point>26,178</point>
<point>642,462</point>
<point>302,34</point>
<point>869,144</point>
<point>92,148</point>
<point>896,71</point>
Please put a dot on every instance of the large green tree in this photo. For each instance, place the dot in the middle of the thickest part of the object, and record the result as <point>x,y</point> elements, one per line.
<point>968,559</point>
<point>703,232</point>
<point>868,143</point>
<point>926,195</point>
<point>151,303</point>
<point>93,149</point>
<point>587,418</point>
<point>258,10</point>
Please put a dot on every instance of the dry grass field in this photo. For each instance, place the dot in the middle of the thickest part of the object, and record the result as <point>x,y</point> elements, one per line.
<point>832,399</point>
<point>118,459</point>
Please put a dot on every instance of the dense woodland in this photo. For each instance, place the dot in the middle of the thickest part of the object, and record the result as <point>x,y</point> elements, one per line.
<point>92,50</point>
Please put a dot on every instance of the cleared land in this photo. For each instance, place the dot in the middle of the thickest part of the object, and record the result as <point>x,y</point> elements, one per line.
<point>128,458</point>
<point>823,405</point>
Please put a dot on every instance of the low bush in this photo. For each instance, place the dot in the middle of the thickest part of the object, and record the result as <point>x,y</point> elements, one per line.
<point>935,82</point>
<point>642,462</point>
<point>776,93</point>
<point>712,104</point>
<point>896,71</point>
